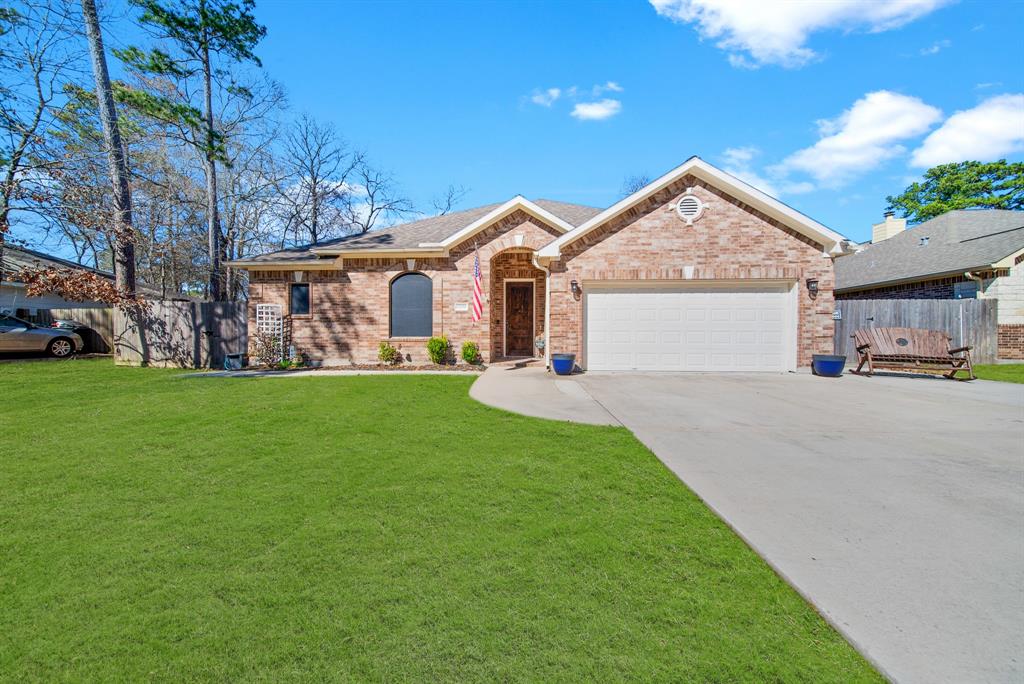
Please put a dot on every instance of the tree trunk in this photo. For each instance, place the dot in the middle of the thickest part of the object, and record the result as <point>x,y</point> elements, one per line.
<point>210,166</point>
<point>124,235</point>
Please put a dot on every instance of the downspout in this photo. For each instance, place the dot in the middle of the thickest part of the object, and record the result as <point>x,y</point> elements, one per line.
<point>547,310</point>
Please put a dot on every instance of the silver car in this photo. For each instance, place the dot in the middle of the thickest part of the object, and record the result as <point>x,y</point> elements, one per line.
<point>17,335</point>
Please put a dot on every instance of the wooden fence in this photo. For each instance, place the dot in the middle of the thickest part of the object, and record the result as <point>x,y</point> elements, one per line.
<point>970,322</point>
<point>99,336</point>
<point>182,334</point>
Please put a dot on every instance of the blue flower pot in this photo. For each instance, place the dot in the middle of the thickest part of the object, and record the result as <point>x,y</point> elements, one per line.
<point>828,365</point>
<point>563,363</point>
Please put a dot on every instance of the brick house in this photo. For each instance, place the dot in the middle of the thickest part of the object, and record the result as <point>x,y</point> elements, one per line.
<point>974,253</point>
<point>695,271</point>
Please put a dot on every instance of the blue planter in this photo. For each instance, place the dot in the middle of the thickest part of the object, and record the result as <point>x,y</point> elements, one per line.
<point>827,365</point>
<point>563,363</point>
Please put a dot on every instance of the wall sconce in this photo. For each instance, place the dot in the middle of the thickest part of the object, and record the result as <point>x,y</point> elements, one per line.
<point>812,287</point>
<point>576,291</point>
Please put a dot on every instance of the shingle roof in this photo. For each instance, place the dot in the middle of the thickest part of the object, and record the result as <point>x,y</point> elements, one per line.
<point>15,259</point>
<point>18,258</point>
<point>428,230</point>
<point>962,240</point>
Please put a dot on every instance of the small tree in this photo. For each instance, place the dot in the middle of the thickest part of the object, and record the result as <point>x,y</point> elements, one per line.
<point>963,185</point>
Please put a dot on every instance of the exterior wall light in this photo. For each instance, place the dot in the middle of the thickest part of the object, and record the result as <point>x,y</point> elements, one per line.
<point>576,291</point>
<point>812,287</point>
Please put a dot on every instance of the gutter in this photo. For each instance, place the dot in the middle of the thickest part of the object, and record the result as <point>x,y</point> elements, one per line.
<point>547,309</point>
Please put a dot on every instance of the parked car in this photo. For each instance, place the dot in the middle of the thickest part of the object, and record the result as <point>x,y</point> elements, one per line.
<point>17,335</point>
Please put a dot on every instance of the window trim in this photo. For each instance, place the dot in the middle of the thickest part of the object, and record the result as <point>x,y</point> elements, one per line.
<point>309,300</point>
<point>391,307</point>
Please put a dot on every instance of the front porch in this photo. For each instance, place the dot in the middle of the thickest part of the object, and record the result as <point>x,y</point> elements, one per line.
<point>516,305</point>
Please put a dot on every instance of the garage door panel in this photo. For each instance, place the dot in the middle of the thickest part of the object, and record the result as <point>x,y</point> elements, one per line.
<point>712,330</point>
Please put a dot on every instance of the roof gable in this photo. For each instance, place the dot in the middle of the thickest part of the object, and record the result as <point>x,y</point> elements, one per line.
<point>727,183</point>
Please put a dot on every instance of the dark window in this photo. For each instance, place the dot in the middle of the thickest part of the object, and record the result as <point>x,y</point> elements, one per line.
<point>967,290</point>
<point>412,309</point>
<point>300,299</point>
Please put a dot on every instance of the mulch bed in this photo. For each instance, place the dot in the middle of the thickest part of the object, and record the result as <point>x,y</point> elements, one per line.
<point>397,368</point>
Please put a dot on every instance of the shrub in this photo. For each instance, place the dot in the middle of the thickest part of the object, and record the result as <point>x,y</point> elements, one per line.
<point>266,348</point>
<point>470,352</point>
<point>437,349</point>
<point>387,353</point>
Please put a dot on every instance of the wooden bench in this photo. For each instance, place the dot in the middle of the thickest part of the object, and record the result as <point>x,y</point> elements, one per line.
<point>913,349</point>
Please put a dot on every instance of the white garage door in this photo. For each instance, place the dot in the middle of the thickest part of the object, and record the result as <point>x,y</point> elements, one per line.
<point>687,329</point>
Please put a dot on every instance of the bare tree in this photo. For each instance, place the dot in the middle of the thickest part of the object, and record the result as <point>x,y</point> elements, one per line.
<point>374,197</point>
<point>631,184</point>
<point>444,203</point>
<point>38,55</point>
<point>316,188</point>
<point>124,247</point>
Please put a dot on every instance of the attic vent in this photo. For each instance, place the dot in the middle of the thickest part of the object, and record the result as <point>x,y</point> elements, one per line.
<point>924,241</point>
<point>689,208</point>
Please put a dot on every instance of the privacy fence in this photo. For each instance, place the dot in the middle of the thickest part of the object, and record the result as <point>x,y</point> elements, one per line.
<point>180,334</point>
<point>971,322</point>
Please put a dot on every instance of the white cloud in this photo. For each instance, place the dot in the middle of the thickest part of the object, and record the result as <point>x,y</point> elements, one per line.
<point>935,48</point>
<point>776,31</point>
<point>597,111</point>
<point>737,161</point>
<point>993,129</point>
<point>610,86</point>
<point>546,98</point>
<point>861,138</point>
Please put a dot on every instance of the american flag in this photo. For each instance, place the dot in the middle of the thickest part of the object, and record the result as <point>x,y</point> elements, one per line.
<point>478,291</point>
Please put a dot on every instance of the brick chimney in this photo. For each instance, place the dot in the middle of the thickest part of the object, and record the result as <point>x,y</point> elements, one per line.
<point>887,228</point>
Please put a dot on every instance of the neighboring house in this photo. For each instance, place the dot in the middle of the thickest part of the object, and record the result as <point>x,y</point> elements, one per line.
<point>696,271</point>
<point>12,291</point>
<point>960,254</point>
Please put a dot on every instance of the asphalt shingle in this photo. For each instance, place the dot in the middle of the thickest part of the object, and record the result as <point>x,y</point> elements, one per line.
<point>961,240</point>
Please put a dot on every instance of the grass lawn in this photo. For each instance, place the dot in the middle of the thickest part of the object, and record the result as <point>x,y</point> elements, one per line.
<point>1003,372</point>
<point>159,527</point>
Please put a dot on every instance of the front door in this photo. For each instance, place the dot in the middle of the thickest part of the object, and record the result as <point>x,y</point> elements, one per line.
<point>518,319</point>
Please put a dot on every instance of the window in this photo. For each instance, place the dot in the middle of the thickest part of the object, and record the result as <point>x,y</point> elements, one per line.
<point>300,299</point>
<point>412,309</point>
<point>965,290</point>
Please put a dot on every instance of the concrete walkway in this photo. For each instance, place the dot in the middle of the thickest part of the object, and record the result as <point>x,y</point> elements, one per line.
<point>533,391</point>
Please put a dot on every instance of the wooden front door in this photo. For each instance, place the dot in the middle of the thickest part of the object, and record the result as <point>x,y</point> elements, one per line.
<point>518,319</point>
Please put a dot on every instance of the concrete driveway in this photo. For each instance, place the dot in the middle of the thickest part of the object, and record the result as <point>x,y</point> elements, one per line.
<point>896,505</point>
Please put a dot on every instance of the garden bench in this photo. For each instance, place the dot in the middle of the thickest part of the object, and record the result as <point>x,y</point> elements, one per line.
<point>914,349</point>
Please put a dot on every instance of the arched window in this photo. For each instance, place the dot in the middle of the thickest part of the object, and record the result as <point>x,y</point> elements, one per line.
<point>412,306</point>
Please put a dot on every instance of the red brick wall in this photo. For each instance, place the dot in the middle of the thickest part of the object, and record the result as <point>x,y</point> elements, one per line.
<point>1011,341</point>
<point>939,288</point>
<point>730,241</point>
<point>350,308</point>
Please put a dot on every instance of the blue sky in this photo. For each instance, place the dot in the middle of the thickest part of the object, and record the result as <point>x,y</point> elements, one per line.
<point>443,93</point>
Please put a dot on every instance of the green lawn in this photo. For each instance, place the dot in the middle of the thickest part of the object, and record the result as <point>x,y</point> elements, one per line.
<point>1003,372</point>
<point>159,527</point>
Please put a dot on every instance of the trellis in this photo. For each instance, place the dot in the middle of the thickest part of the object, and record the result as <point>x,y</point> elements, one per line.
<point>270,322</point>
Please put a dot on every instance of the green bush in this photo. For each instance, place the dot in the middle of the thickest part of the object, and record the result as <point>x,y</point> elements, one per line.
<point>470,352</point>
<point>437,348</point>
<point>387,353</point>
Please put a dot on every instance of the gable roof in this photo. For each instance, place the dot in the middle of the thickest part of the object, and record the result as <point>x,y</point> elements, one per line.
<point>695,166</point>
<point>958,241</point>
<point>432,234</point>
